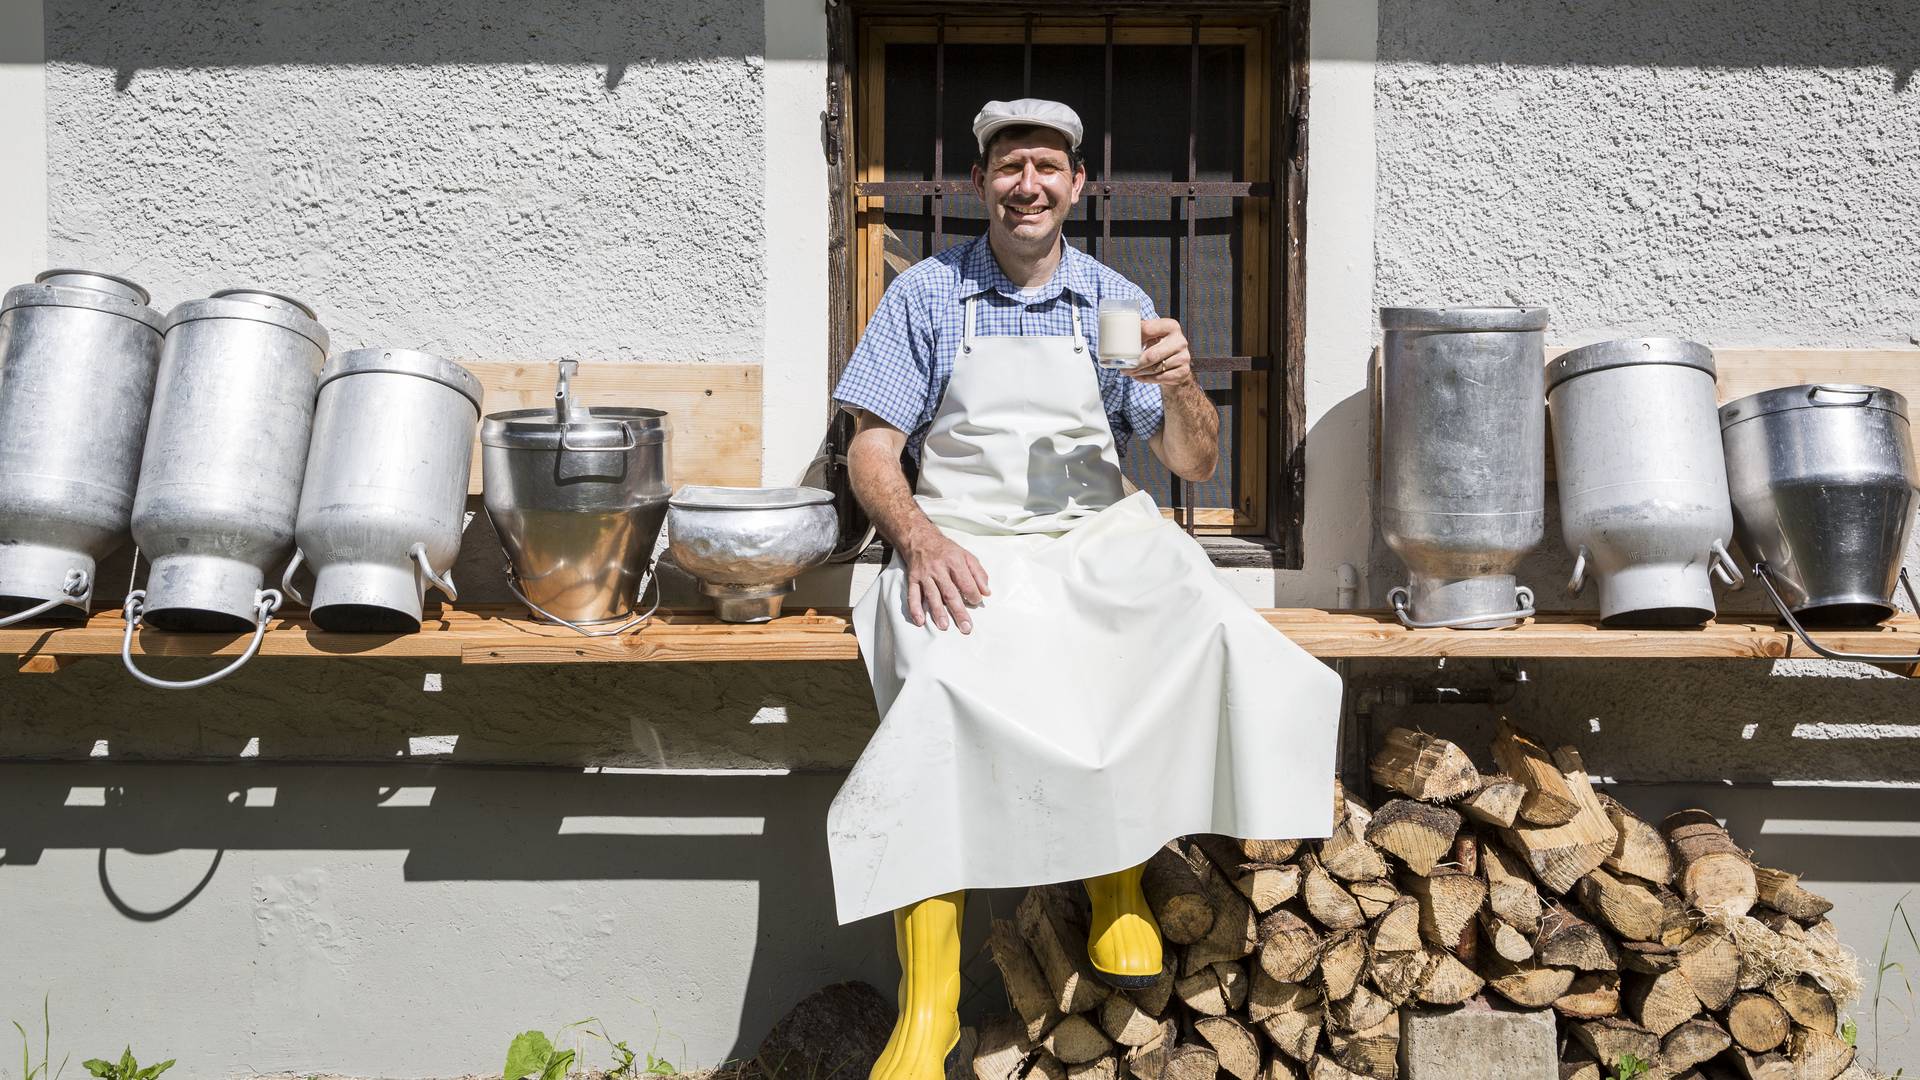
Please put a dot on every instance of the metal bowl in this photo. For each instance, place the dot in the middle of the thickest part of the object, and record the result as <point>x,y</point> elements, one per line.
<point>746,545</point>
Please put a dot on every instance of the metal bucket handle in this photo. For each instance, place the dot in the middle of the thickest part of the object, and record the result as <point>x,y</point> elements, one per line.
<point>1578,580</point>
<point>1766,578</point>
<point>1725,568</point>
<point>78,588</point>
<point>652,582</point>
<point>443,582</point>
<point>265,603</point>
<point>1399,598</point>
<point>286,577</point>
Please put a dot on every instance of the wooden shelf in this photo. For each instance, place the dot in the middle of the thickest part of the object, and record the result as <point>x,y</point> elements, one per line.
<point>498,635</point>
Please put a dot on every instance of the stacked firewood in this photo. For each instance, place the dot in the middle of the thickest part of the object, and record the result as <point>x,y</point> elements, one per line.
<point>1287,959</point>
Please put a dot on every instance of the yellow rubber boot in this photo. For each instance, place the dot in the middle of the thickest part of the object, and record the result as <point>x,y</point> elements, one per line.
<point>1124,940</point>
<point>927,935</point>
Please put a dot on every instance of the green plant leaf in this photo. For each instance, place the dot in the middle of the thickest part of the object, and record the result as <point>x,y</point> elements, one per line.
<point>152,1071</point>
<point>99,1067</point>
<point>527,1055</point>
<point>1850,1031</point>
<point>557,1068</point>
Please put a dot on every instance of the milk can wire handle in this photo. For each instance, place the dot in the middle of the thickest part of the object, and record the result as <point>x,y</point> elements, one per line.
<point>265,603</point>
<point>286,577</point>
<point>1725,568</point>
<point>632,441</point>
<point>1578,580</point>
<point>1838,395</point>
<point>1766,578</point>
<point>75,589</point>
<point>443,582</point>
<point>1398,597</point>
<point>652,582</point>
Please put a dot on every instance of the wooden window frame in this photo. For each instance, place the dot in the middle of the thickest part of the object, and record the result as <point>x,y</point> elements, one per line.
<point>1270,406</point>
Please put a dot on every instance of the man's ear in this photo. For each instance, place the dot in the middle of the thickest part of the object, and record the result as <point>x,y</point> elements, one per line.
<point>979,182</point>
<point>1079,180</point>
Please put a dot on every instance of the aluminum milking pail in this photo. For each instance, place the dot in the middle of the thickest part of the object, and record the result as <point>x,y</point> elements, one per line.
<point>1823,481</point>
<point>1643,484</point>
<point>1462,459</point>
<point>385,491</point>
<point>220,478</point>
<point>78,353</point>
<point>578,496</point>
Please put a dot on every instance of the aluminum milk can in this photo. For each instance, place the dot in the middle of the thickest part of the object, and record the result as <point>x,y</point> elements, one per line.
<point>577,496</point>
<point>386,488</point>
<point>1823,482</point>
<point>226,447</point>
<point>1462,459</point>
<point>1643,484</point>
<point>78,352</point>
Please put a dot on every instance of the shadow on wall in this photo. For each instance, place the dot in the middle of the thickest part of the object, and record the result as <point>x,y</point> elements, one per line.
<point>227,33</point>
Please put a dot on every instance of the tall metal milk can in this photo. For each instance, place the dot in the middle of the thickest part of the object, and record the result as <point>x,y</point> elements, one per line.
<point>386,488</point>
<point>1643,484</point>
<point>1462,460</point>
<point>78,351</point>
<point>220,480</point>
<point>1824,481</point>
<point>578,496</point>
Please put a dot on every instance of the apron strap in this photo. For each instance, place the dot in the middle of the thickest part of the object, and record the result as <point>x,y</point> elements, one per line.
<point>1079,332</point>
<point>966,339</point>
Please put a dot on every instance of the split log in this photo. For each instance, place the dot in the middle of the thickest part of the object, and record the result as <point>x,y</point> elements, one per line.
<point>1290,1014</point>
<point>1447,981</point>
<point>1677,924</point>
<point>1594,994</point>
<point>1362,1010</point>
<point>1233,1046</point>
<point>1580,1068</point>
<point>1398,928</point>
<point>1510,944</point>
<point>1215,990</point>
<point>1548,799</point>
<point>1763,1066</point>
<point>1032,996</point>
<point>1630,909</point>
<point>1692,1043</point>
<point>1398,975</point>
<point>1510,890</point>
<point>1648,957</point>
<point>1820,1055</point>
<point>1267,887</point>
<point>1148,1061</point>
<point>1289,947</point>
<point>1104,1067</point>
<point>1373,895</point>
<point>1529,985</point>
<point>1758,1023</point>
<point>1235,981</point>
<point>1711,963</point>
<point>1001,1050</point>
<point>1191,1062</point>
<point>1610,1040</point>
<point>1231,936</point>
<point>1497,803</point>
<point>1271,851</point>
<point>1567,940</point>
<point>1127,1024</point>
<point>1448,901</point>
<point>1325,1068</point>
<point>1423,767</point>
<point>1330,904</point>
<point>1714,874</point>
<point>1640,850</point>
<point>1051,923</point>
<point>1781,891</point>
<point>1374,1052</point>
<point>1421,834</point>
<point>1154,996</point>
<point>1346,854</point>
<point>1559,854</point>
<point>1660,1003</point>
<point>1075,1040</point>
<point>1805,1001</point>
<point>1279,1068</point>
<point>1045,1066</point>
<point>1343,959</point>
<point>1178,899</point>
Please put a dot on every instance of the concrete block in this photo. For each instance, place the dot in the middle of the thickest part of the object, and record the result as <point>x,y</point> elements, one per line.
<point>1477,1042</point>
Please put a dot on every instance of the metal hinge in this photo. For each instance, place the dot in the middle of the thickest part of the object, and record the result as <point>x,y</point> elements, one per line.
<point>830,123</point>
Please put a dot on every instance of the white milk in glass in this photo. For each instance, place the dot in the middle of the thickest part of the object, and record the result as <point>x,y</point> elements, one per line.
<point>1119,334</point>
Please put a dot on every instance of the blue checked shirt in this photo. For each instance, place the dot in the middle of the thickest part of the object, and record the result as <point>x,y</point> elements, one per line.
<point>900,369</point>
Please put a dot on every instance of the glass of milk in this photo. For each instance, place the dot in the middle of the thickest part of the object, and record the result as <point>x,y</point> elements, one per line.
<point>1119,333</point>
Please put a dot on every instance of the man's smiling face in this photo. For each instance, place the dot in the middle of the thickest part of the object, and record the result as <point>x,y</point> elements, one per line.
<point>1029,185</point>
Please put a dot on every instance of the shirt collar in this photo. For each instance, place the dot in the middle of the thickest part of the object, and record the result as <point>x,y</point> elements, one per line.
<point>980,272</point>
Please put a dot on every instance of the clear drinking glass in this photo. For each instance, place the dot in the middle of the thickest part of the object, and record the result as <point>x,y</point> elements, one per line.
<point>1119,333</point>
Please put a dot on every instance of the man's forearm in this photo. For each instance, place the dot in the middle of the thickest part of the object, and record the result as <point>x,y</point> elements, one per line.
<point>881,486</point>
<point>1190,436</point>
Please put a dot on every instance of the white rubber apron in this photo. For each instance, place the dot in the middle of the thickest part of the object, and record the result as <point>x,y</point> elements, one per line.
<point>1114,693</point>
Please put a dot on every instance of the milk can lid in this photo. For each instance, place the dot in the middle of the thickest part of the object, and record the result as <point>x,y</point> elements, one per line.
<point>88,289</point>
<point>1813,396</point>
<point>405,362</point>
<point>1495,319</point>
<point>258,305</point>
<point>1623,352</point>
<point>707,497</point>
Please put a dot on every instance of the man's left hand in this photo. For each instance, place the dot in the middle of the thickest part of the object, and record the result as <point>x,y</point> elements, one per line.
<point>1165,359</point>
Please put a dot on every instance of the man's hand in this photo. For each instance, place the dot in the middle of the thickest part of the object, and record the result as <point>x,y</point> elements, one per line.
<point>944,580</point>
<point>1165,358</point>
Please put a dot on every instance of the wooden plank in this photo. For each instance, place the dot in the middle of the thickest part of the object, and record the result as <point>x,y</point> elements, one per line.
<point>715,409</point>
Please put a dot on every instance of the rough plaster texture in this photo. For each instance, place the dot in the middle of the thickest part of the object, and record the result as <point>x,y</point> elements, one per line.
<point>1477,1042</point>
<point>488,180</point>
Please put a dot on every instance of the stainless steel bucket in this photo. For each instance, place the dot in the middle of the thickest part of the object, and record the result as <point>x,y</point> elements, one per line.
<point>78,352</point>
<point>747,545</point>
<point>578,496</point>
<point>385,489</point>
<point>1462,460</point>
<point>1643,484</point>
<point>1823,481</point>
<point>226,447</point>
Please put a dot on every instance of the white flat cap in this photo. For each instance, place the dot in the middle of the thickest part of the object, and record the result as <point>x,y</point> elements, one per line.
<point>1027,112</point>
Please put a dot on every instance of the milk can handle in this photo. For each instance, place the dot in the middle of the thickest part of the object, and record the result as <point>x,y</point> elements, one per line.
<point>632,441</point>
<point>652,582</point>
<point>1578,580</point>
<point>77,587</point>
<point>1398,597</point>
<point>1838,395</point>
<point>286,577</point>
<point>1725,568</point>
<point>265,603</point>
<point>443,582</point>
<point>1766,578</point>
